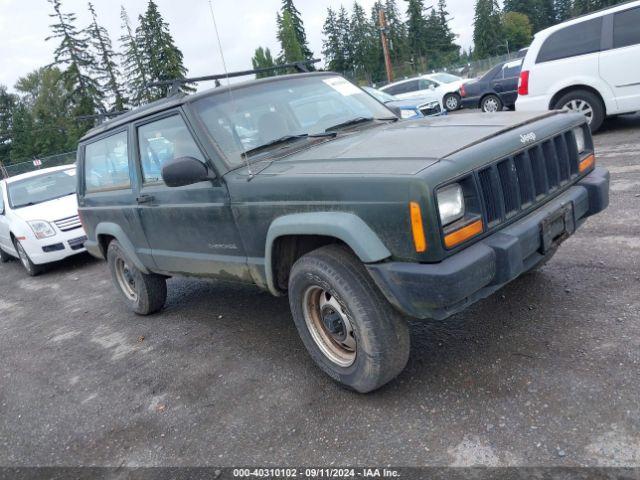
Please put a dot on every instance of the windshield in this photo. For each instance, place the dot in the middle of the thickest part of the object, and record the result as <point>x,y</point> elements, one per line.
<point>42,188</point>
<point>383,97</point>
<point>445,77</point>
<point>263,113</point>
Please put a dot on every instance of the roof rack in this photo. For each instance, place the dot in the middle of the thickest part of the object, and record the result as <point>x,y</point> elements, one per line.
<point>175,84</point>
<point>101,116</point>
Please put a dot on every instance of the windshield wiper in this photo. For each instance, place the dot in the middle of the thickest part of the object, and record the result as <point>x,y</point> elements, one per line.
<point>284,140</point>
<point>359,120</point>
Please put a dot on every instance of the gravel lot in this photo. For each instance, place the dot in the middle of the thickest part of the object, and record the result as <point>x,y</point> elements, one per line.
<point>545,372</point>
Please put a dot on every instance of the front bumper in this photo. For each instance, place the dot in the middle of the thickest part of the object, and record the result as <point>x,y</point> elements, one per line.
<point>439,290</point>
<point>56,248</point>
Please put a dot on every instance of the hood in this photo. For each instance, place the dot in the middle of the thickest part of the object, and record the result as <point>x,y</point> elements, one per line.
<point>402,148</point>
<point>50,211</point>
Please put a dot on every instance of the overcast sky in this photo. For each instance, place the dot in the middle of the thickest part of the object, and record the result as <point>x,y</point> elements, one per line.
<point>243,25</point>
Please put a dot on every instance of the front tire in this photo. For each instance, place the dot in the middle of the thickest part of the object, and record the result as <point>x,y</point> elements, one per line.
<point>144,293</point>
<point>452,102</point>
<point>31,268</point>
<point>585,102</point>
<point>491,104</point>
<point>350,330</point>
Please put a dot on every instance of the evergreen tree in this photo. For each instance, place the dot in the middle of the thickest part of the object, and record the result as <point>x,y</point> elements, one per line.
<point>161,58</point>
<point>363,43</point>
<point>7,106</point>
<point>107,69</point>
<point>262,59</point>
<point>416,32</point>
<point>298,26</point>
<point>135,67</point>
<point>487,31</point>
<point>332,47</point>
<point>72,53</point>
<point>291,48</point>
<point>345,37</point>
<point>440,40</point>
<point>563,10</point>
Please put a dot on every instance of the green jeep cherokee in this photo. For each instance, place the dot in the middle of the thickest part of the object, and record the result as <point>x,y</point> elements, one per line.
<point>306,186</point>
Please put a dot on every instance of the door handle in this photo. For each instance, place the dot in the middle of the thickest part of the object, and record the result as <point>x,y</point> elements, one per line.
<point>144,199</point>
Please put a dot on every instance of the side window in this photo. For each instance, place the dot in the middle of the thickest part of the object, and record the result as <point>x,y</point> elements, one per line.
<point>106,164</point>
<point>411,86</point>
<point>626,28</point>
<point>395,89</point>
<point>426,84</point>
<point>572,41</point>
<point>511,71</point>
<point>161,141</point>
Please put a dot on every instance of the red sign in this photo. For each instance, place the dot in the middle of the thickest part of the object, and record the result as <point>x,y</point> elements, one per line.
<point>37,163</point>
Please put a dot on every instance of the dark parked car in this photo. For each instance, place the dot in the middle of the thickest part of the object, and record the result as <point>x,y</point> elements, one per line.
<point>306,186</point>
<point>495,90</point>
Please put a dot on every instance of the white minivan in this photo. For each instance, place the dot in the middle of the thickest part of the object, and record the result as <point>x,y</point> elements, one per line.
<point>39,221</point>
<point>590,64</point>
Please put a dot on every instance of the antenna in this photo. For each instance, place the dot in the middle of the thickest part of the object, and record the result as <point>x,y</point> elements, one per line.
<point>230,90</point>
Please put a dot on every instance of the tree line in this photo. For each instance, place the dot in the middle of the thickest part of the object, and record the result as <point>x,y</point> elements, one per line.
<point>57,103</point>
<point>419,35</point>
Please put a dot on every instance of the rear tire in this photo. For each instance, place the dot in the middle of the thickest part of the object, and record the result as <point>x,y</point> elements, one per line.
<point>585,102</point>
<point>31,268</point>
<point>452,102</point>
<point>491,104</point>
<point>143,293</point>
<point>350,330</point>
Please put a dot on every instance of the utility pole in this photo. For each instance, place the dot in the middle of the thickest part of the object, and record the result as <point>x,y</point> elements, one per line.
<point>385,45</point>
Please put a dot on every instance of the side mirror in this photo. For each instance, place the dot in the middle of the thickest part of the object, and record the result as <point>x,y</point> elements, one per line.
<point>396,110</point>
<point>183,171</point>
<point>432,87</point>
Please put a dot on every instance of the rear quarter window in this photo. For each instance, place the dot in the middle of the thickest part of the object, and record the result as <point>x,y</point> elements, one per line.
<point>106,164</point>
<point>626,28</point>
<point>572,41</point>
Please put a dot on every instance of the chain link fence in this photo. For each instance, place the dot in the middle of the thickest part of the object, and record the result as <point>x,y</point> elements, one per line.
<point>39,163</point>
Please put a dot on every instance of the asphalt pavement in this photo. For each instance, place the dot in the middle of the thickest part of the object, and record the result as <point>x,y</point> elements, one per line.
<point>545,372</point>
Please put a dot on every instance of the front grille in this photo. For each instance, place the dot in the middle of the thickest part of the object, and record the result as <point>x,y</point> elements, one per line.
<point>77,243</point>
<point>427,112</point>
<point>69,223</point>
<point>515,183</point>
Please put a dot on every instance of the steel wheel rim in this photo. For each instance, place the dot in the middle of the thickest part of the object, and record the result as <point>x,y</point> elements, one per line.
<point>125,279</point>
<point>452,102</point>
<point>580,106</point>
<point>23,256</point>
<point>329,326</point>
<point>491,105</point>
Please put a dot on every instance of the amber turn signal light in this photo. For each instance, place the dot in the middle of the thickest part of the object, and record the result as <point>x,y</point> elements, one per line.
<point>587,163</point>
<point>419,240</point>
<point>464,234</point>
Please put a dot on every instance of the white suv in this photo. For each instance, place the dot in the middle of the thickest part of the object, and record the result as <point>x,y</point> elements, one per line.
<point>39,220</point>
<point>590,64</point>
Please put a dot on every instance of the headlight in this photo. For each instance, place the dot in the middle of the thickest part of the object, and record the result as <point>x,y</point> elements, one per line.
<point>407,113</point>
<point>450,203</point>
<point>580,140</point>
<point>42,229</point>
